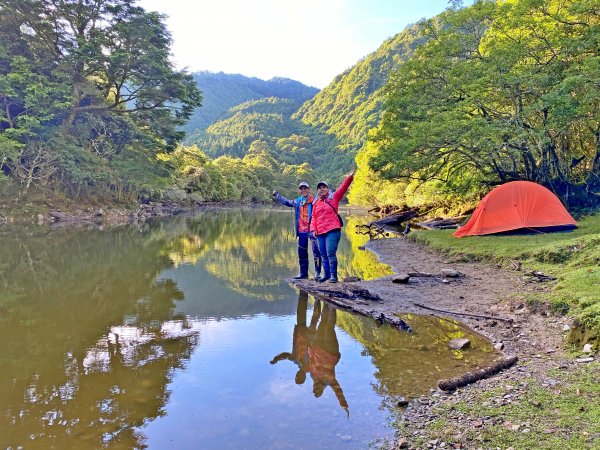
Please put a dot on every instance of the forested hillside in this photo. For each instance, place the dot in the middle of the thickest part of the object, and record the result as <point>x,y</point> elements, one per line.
<point>91,107</point>
<point>351,104</point>
<point>501,91</point>
<point>224,91</point>
<point>325,131</point>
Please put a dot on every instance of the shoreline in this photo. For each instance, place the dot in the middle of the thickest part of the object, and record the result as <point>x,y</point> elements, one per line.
<point>497,295</point>
<point>111,215</point>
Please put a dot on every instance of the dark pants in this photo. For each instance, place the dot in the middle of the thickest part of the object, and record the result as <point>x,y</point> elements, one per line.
<point>328,244</point>
<point>303,240</point>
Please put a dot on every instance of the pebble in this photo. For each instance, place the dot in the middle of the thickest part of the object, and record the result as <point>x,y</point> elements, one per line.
<point>402,402</point>
<point>587,348</point>
<point>402,278</point>
<point>459,344</point>
<point>450,273</point>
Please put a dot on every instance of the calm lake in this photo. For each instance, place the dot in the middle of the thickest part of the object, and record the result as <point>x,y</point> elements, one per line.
<point>183,334</point>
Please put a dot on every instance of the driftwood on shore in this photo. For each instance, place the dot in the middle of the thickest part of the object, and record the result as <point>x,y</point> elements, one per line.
<point>442,224</point>
<point>343,298</point>
<point>376,228</point>
<point>472,377</point>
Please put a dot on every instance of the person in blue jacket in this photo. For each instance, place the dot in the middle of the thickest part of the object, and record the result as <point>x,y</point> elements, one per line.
<point>303,211</point>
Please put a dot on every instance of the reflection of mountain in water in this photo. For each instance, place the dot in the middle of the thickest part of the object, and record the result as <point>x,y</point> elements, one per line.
<point>94,323</point>
<point>210,297</point>
<point>250,251</point>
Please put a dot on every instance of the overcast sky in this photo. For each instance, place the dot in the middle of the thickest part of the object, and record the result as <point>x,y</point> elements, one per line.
<point>311,41</point>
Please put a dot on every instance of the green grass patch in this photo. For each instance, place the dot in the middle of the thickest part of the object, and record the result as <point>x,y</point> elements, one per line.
<point>559,412</point>
<point>572,257</point>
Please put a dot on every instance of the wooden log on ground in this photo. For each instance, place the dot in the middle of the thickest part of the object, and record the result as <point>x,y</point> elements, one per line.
<point>472,377</point>
<point>373,231</point>
<point>441,224</point>
<point>395,219</point>
<point>58,215</point>
<point>350,300</point>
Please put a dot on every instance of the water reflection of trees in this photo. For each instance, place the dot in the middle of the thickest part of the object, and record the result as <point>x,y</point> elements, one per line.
<point>67,380</point>
<point>360,263</point>
<point>91,339</point>
<point>253,250</point>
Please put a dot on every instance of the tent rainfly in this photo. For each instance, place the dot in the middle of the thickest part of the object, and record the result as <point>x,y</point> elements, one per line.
<point>515,205</point>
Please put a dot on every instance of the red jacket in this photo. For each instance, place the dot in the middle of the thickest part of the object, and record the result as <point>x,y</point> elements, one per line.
<point>324,217</point>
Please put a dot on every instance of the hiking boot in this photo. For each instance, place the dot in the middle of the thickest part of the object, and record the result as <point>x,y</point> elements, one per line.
<point>322,279</point>
<point>301,277</point>
<point>333,280</point>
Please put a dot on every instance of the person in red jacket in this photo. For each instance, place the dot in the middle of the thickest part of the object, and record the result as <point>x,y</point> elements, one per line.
<point>326,225</point>
<point>323,356</point>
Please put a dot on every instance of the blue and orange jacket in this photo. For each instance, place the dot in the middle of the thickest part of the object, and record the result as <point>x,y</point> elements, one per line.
<point>296,203</point>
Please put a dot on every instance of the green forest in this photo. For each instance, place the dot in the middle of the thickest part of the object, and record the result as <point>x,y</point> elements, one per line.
<point>92,110</point>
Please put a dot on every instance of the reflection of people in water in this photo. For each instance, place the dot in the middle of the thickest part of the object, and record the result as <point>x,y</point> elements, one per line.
<point>315,348</point>
<point>324,354</point>
<point>303,335</point>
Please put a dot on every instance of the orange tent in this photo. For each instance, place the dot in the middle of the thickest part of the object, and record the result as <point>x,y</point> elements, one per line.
<point>514,205</point>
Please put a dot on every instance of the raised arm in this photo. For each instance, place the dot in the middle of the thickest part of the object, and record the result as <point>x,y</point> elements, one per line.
<point>281,199</point>
<point>282,356</point>
<point>341,191</point>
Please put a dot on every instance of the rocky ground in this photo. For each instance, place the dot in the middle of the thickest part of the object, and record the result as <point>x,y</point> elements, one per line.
<point>516,324</point>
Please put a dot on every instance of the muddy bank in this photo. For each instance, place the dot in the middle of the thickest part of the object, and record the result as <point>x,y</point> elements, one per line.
<point>487,298</point>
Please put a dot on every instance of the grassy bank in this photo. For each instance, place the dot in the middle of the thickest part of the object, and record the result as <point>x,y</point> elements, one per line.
<point>560,410</point>
<point>573,258</point>
<point>546,403</point>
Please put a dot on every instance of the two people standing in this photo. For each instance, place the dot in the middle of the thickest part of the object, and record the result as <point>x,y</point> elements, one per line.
<point>318,220</point>
<point>303,208</point>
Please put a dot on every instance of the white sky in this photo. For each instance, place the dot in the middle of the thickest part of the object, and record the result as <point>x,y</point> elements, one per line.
<point>310,41</point>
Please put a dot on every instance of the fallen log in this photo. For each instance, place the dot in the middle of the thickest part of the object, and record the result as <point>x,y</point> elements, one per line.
<point>472,377</point>
<point>343,299</point>
<point>395,219</point>
<point>352,293</point>
<point>376,228</point>
<point>373,231</point>
<point>441,224</point>
<point>539,276</point>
